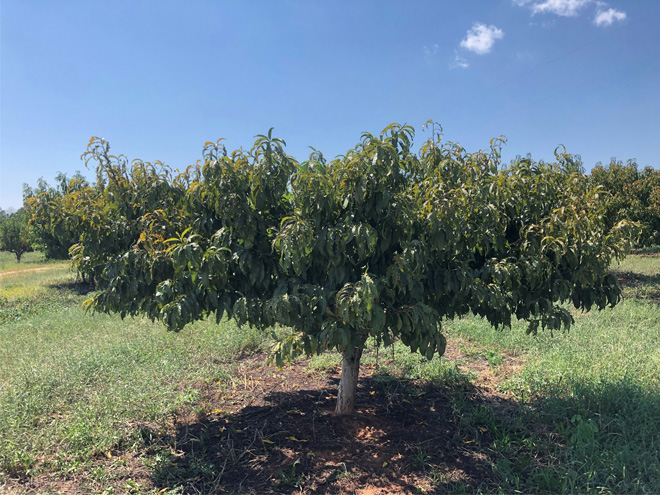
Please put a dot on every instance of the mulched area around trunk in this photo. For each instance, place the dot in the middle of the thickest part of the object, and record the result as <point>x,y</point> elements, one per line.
<point>279,434</point>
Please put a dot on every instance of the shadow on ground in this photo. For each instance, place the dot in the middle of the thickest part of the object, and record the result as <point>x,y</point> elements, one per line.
<point>639,286</point>
<point>76,287</point>
<point>273,432</point>
<point>402,439</point>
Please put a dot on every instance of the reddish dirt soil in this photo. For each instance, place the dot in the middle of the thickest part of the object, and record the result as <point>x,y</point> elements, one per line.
<point>40,269</point>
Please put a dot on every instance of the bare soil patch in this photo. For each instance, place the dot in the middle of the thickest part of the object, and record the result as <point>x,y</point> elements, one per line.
<point>29,270</point>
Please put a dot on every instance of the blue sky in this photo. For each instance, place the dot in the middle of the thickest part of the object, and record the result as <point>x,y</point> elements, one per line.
<point>159,78</point>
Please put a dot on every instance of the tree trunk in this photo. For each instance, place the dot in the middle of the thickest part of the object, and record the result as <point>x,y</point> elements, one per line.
<point>350,368</point>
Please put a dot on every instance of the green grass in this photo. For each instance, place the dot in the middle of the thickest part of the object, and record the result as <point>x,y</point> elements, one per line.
<point>33,286</point>
<point>580,414</point>
<point>640,276</point>
<point>29,260</point>
<point>596,388</point>
<point>76,385</point>
<point>640,265</point>
<point>80,384</point>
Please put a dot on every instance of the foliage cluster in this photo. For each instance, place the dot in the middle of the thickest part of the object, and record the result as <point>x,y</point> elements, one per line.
<point>635,196</point>
<point>15,234</point>
<point>55,214</point>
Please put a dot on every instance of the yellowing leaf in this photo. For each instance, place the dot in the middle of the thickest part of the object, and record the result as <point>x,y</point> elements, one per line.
<point>265,440</point>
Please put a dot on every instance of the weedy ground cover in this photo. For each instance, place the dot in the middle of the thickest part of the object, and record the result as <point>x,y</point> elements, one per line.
<point>94,404</point>
<point>29,287</point>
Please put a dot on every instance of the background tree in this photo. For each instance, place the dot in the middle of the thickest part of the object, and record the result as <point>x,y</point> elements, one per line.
<point>55,215</point>
<point>15,235</point>
<point>633,195</point>
<point>381,242</point>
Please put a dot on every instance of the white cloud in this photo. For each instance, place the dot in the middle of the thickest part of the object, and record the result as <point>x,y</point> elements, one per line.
<point>480,38</point>
<point>608,17</point>
<point>566,8</point>
<point>459,63</point>
<point>605,16</point>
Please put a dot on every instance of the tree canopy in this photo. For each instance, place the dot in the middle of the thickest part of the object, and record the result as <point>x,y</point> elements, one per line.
<point>55,213</point>
<point>381,242</point>
<point>635,196</point>
<point>15,235</point>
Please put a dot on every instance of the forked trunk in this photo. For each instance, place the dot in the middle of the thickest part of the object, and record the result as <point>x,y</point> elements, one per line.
<point>350,369</point>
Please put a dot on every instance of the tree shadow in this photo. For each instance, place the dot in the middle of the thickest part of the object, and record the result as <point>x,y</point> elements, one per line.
<point>403,438</point>
<point>77,287</point>
<point>292,442</point>
<point>450,437</point>
<point>639,285</point>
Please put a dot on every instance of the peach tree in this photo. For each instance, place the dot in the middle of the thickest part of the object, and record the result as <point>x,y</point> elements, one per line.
<point>55,213</point>
<point>634,195</point>
<point>382,243</point>
<point>15,234</point>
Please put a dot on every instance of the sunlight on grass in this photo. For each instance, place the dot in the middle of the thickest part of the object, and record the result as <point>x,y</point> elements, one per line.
<point>96,377</point>
<point>642,264</point>
<point>598,386</point>
<point>32,277</point>
<point>29,261</point>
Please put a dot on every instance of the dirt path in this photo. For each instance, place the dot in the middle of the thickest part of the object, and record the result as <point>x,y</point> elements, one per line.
<point>14,272</point>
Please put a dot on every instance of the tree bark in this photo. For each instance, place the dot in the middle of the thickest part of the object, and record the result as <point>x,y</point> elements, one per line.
<point>350,369</point>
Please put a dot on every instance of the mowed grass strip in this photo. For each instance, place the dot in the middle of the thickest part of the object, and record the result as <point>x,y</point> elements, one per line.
<point>30,262</point>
